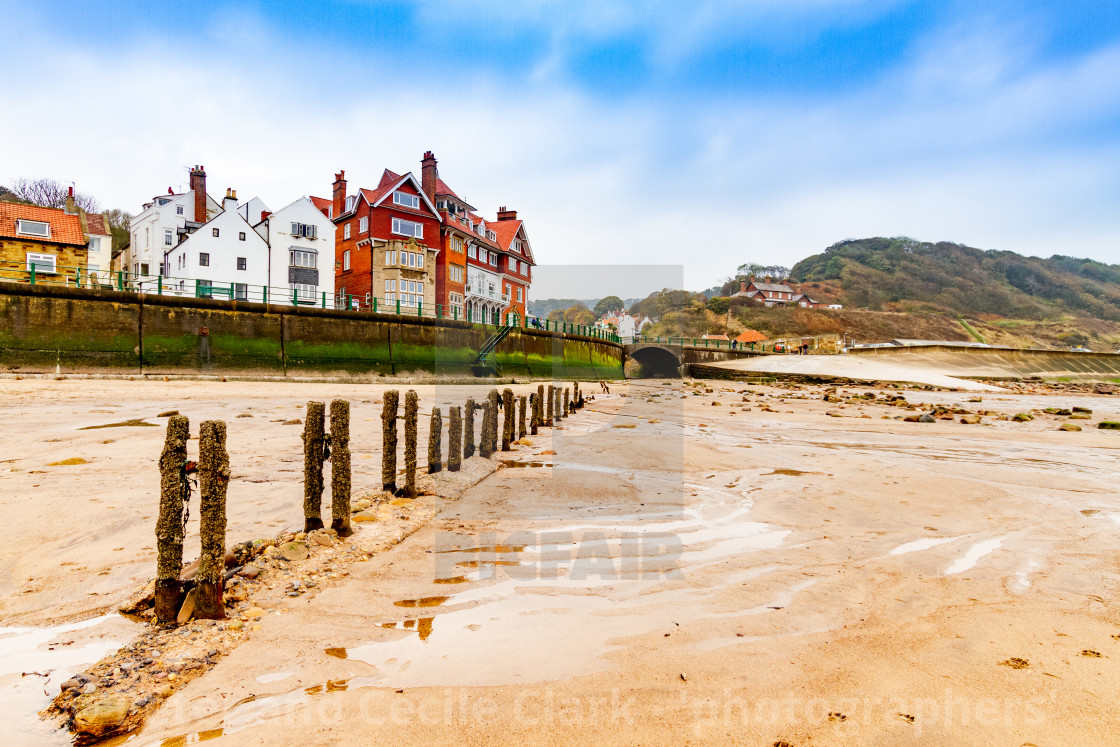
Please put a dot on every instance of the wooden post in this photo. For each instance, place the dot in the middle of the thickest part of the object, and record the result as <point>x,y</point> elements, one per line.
<point>169,526</point>
<point>521,401</point>
<point>551,398</point>
<point>484,449</point>
<point>507,418</point>
<point>313,442</point>
<point>468,429</point>
<point>340,467</point>
<point>558,411</point>
<point>435,432</point>
<point>567,401</point>
<point>411,408</point>
<point>532,413</point>
<point>495,401</point>
<point>389,440</point>
<point>213,479</point>
<point>454,440</point>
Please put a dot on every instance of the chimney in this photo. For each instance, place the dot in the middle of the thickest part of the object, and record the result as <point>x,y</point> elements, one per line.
<point>504,214</point>
<point>767,279</point>
<point>743,285</point>
<point>264,215</point>
<point>428,175</point>
<point>339,194</point>
<point>198,186</point>
<point>70,201</point>
<point>229,202</point>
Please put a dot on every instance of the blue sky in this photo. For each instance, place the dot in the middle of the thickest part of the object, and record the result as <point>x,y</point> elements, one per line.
<point>703,134</point>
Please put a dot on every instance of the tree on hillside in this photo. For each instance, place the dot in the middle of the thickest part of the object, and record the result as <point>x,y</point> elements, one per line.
<point>777,272</point>
<point>50,193</point>
<point>577,313</point>
<point>608,305</point>
<point>119,222</point>
<point>661,302</point>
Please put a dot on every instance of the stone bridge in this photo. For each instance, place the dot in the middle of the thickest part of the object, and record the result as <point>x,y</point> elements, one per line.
<point>666,360</point>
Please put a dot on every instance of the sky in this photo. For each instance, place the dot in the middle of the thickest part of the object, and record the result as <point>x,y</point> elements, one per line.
<point>700,135</point>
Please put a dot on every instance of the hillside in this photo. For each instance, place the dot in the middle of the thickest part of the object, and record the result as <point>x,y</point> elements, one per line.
<point>901,274</point>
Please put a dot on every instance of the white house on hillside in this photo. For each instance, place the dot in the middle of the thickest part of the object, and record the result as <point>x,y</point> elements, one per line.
<point>162,224</point>
<point>222,258</point>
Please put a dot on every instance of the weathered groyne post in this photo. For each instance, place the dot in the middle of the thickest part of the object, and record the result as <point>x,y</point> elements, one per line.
<point>558,411</point>
<point>454,440</point>
<point>411,411</point>
<point>567,402</point>
<point>495,400</point>
<point>313,457</point>
<point>435,432</point>
<point>213,480</point>
<point>468,429</point>
<point>521,417</point>
<point>507,418</point>
<point>389,440</point>
<point>534,413</point>
<point>489,416</point>
<point>551,398</point>
<point>174,491</point>
<point>340,467</point>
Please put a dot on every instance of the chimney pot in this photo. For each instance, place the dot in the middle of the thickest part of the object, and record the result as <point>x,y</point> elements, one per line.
<point>429,174</point>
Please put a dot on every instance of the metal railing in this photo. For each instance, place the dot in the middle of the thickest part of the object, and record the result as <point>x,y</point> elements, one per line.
<point>163,285</point>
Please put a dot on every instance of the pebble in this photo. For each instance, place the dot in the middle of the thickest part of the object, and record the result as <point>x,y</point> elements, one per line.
<point>293,551</point>
<point>101,717</point>
<point>253,612</point>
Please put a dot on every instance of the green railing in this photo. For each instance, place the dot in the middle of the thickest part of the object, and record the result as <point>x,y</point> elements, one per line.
<point>163,285</point>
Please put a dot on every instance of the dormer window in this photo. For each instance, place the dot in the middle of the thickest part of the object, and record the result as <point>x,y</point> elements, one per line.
<point>406,200</point>
<point>37,228</point>
<point>350,202</point>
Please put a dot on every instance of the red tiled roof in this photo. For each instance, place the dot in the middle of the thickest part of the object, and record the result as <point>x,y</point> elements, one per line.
<point>323,204</point>
<point>451,222</point>
<point>65,228</point>
<point>715,337</point>
<point>506,231</point>
<point>443,189</point>
<point>97,224</point>
<point>751,335</point>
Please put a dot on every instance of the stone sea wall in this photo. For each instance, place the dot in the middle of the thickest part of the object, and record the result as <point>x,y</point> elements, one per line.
<point>46,329</point>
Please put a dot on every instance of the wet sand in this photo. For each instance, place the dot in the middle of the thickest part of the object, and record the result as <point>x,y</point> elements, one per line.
<point>676,571</point>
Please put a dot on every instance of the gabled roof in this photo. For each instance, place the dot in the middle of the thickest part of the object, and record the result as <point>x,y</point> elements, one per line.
<point>773,287</point>
<point>389,184</point>
<point>96,225</point>
<point>507,230</point>
<point>66,228</point>
<point>453,222</point>
<point>323,204</point>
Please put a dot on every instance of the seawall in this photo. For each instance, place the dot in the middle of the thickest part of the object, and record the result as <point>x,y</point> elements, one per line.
<point>49,329</point>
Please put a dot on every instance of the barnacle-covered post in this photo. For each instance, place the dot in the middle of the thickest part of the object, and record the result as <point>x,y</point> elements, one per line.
<point>454,440</point>
<point>468,429</point>
<point>551,399</point>
<point>435,432</point>
<point>534,413</point>
<point>389,440</point>
<point>521,417</point>
<point>213,479</point>
<point>567,402</point>
<point>507,418</point>
<point>313,441</point>
<point>340,467</point>
<point>411,411</point>
<point>488,413</point>
<point>558,411</point>
<point>169,525</point>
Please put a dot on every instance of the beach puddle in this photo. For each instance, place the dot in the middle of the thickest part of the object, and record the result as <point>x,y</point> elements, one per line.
<point>972,557</point>
<point>921,544</point>
<point>422,602</point>
<point>337,653</point>
<point>513,464</point>
<point>193,738</point>
<point>135,423</point>
<point>421,625</point>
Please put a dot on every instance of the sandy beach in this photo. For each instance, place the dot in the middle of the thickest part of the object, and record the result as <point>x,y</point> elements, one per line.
<point>700,562</point>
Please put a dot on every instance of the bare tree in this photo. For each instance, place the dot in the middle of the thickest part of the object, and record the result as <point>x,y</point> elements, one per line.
<point>50,193</point>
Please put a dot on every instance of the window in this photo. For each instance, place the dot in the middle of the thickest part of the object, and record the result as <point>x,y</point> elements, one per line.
<point>472,252</point>
<point>519,293</point>
<point>163,201</point>
<point>214,231</point>
<point>456,273</point>
<point>456,244</point>
<point>410,258</point>
<point>39,229</point>
<point>304,292</point>
<point>346,231</point>
<point>241,291</point>
<point>482,254</point>
<point>241,263</point>
<point>388,285</point>
<point>178,210</point>
<point>516,246</point>
<point>350,202</point>
<point>307,230</point>
<point>169,237</point>
<point>301,258</point>
<point>93,268</point>
<point>203,258</point>
<point>363,225</point>
<point>404,198</point>
<point>241,235</point>
<point>95,244</point>
<point>44,263</point>
<point>143,268</point>
<point>390,256</point>
<point>493,259</point>
<point>346,261</point>
<point>408,228</point>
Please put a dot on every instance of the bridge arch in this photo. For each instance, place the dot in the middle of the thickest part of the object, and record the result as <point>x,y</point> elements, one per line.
<point>656,361</point>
